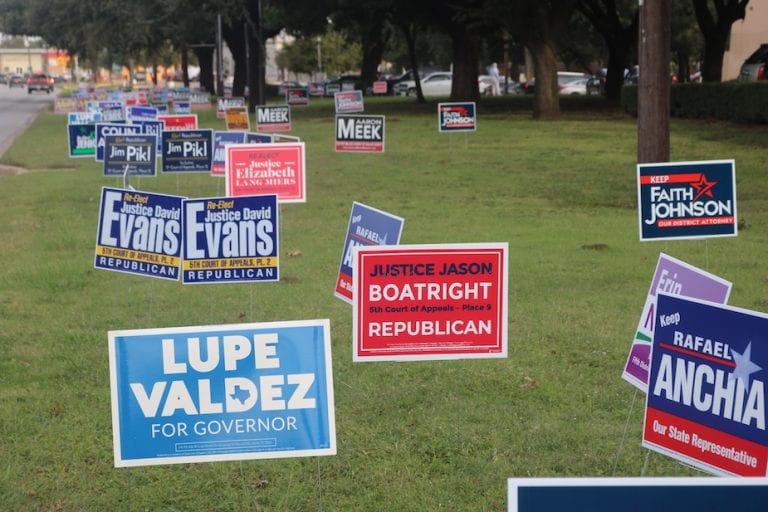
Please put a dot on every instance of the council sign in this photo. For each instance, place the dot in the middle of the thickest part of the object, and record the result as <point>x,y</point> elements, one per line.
<point>230,240</point>
<point>222,393</point>
<point>421,302</point>
<point>687,200</point>
<point>367,226</point>
<point>220,141</point>
<point>139,233</point>
<point>673,277</point>
<point>706,404</point>
<point>359,134</point>
<point>104,129</point>
<point>456,117</point>
<point>276,168</point>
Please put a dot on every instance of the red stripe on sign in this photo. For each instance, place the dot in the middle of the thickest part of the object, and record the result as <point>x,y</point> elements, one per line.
<point>709,446</point>
<point>698,354</point>
<point>663,179</point>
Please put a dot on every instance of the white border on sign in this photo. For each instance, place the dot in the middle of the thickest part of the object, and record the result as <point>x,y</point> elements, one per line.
<point>471,247</point>
<point>266,146</point>
<point>331,450</point>
<point>440,126</point>
<point>691,163</point>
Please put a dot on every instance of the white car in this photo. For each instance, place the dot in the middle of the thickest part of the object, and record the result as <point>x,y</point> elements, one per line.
<point>578,86</point>
<point>434,84</point>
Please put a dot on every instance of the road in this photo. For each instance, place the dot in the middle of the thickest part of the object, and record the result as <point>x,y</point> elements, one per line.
<point>17,111</point>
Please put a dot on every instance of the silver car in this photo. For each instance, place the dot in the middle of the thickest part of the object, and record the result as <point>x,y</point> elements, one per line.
<point>754,68</point>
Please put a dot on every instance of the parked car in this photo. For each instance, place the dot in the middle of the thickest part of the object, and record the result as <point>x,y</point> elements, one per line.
<point>3,78</point>
<point>563,78</point>
<point>754,67</point>
<point>434,84</point>
<point>289,84</point>
<point>40,82</point>
<point>597,82</point>
<point>345,83</point>
<point>578,86</point>
<point>17,81</point>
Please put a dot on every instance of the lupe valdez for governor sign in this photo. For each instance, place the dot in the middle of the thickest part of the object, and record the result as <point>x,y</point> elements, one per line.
<point>673,277</point>
<point>687,200</point>
<point>222,392</point>
<point>139,233</point>
<point>421,302</point>
<point>706,392</point>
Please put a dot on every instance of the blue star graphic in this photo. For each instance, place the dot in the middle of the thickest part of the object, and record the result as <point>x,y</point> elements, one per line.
<point>744,365</point>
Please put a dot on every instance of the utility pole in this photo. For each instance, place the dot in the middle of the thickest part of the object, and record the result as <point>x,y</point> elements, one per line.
<point>653,89</point>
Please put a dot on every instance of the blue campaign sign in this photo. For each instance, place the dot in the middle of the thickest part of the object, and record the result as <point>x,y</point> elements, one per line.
<point>141,113</point>
<point>222,392</point>
<point>220,140</point>
<point>696,494</point>
<point>230,240</point>
<point>111,111</point>
<point>104,129</point>
<point>187,150</point>
<point>367,226</point>
<point>687,200</point>
<point>259,138</point>
<point>706,401</point>
<point>135,154</point>
<point>152,128</point>
<point>139,233</point>
<point>457,117</point>
<point>81,140</point>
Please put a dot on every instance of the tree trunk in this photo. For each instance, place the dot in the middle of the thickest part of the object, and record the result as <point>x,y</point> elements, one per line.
<point>654,83</point>
<point>410,40</point>
<point>547,93</point>
<point>235,39</point>
<point>373,50</point>
<point>712,66</point>
<point>185,64</point>
<point>464,85</point>
<point>205,58</point>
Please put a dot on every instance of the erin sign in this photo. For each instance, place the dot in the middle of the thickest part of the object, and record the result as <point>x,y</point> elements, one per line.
<point>706,391</point>
<point>422,302</point>
<point>687,200</point>
<point>222,392</point>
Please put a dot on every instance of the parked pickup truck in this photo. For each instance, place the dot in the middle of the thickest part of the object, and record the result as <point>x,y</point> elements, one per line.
<point>39,82</point>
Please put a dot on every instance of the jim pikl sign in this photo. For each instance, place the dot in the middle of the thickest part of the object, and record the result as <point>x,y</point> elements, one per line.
<point>687,200</point>
<point>706,392</point>
<point>222,392</point>
<point>230,240</point>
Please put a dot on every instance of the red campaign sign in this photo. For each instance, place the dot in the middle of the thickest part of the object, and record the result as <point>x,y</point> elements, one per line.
<point>263,169</point>
<point>380,87</point>
<point>426,302</point>
<point>179,121</point>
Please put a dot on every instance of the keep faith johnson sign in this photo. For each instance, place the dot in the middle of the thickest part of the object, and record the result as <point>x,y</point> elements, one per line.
<point>425,302</point>
<point>230,240</point>
<point>367,226</point>
<point>139,233</point>
<point>456,117</point>
<point>276,168</point>
<point>673,277</point>
<point>687,200</point>
<point>360,134</point>
<point>222,393</point>
<point>706,392</point>
<point>275,118</point>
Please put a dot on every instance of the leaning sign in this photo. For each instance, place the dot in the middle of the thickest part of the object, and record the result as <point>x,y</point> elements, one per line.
<point>367,226</point>
<point>221,393</point>
<point>706,391</point>
<point>687,200</point>
<point>422,302</point>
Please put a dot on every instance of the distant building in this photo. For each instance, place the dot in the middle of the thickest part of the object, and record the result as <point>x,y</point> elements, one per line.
<point>746,36</point>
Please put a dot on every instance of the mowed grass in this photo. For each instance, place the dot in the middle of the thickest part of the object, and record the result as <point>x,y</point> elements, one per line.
<point>442,435</point>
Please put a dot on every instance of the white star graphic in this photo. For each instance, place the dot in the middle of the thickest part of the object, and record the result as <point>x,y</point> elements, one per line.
<point>744,366</point>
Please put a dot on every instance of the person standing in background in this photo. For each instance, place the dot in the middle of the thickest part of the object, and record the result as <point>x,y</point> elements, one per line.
<point>493,71</point>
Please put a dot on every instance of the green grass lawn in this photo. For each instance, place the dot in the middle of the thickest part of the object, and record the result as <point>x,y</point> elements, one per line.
<point>440,435</point>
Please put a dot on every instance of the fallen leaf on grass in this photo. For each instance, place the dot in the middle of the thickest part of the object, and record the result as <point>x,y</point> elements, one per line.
<point>530,383</point>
